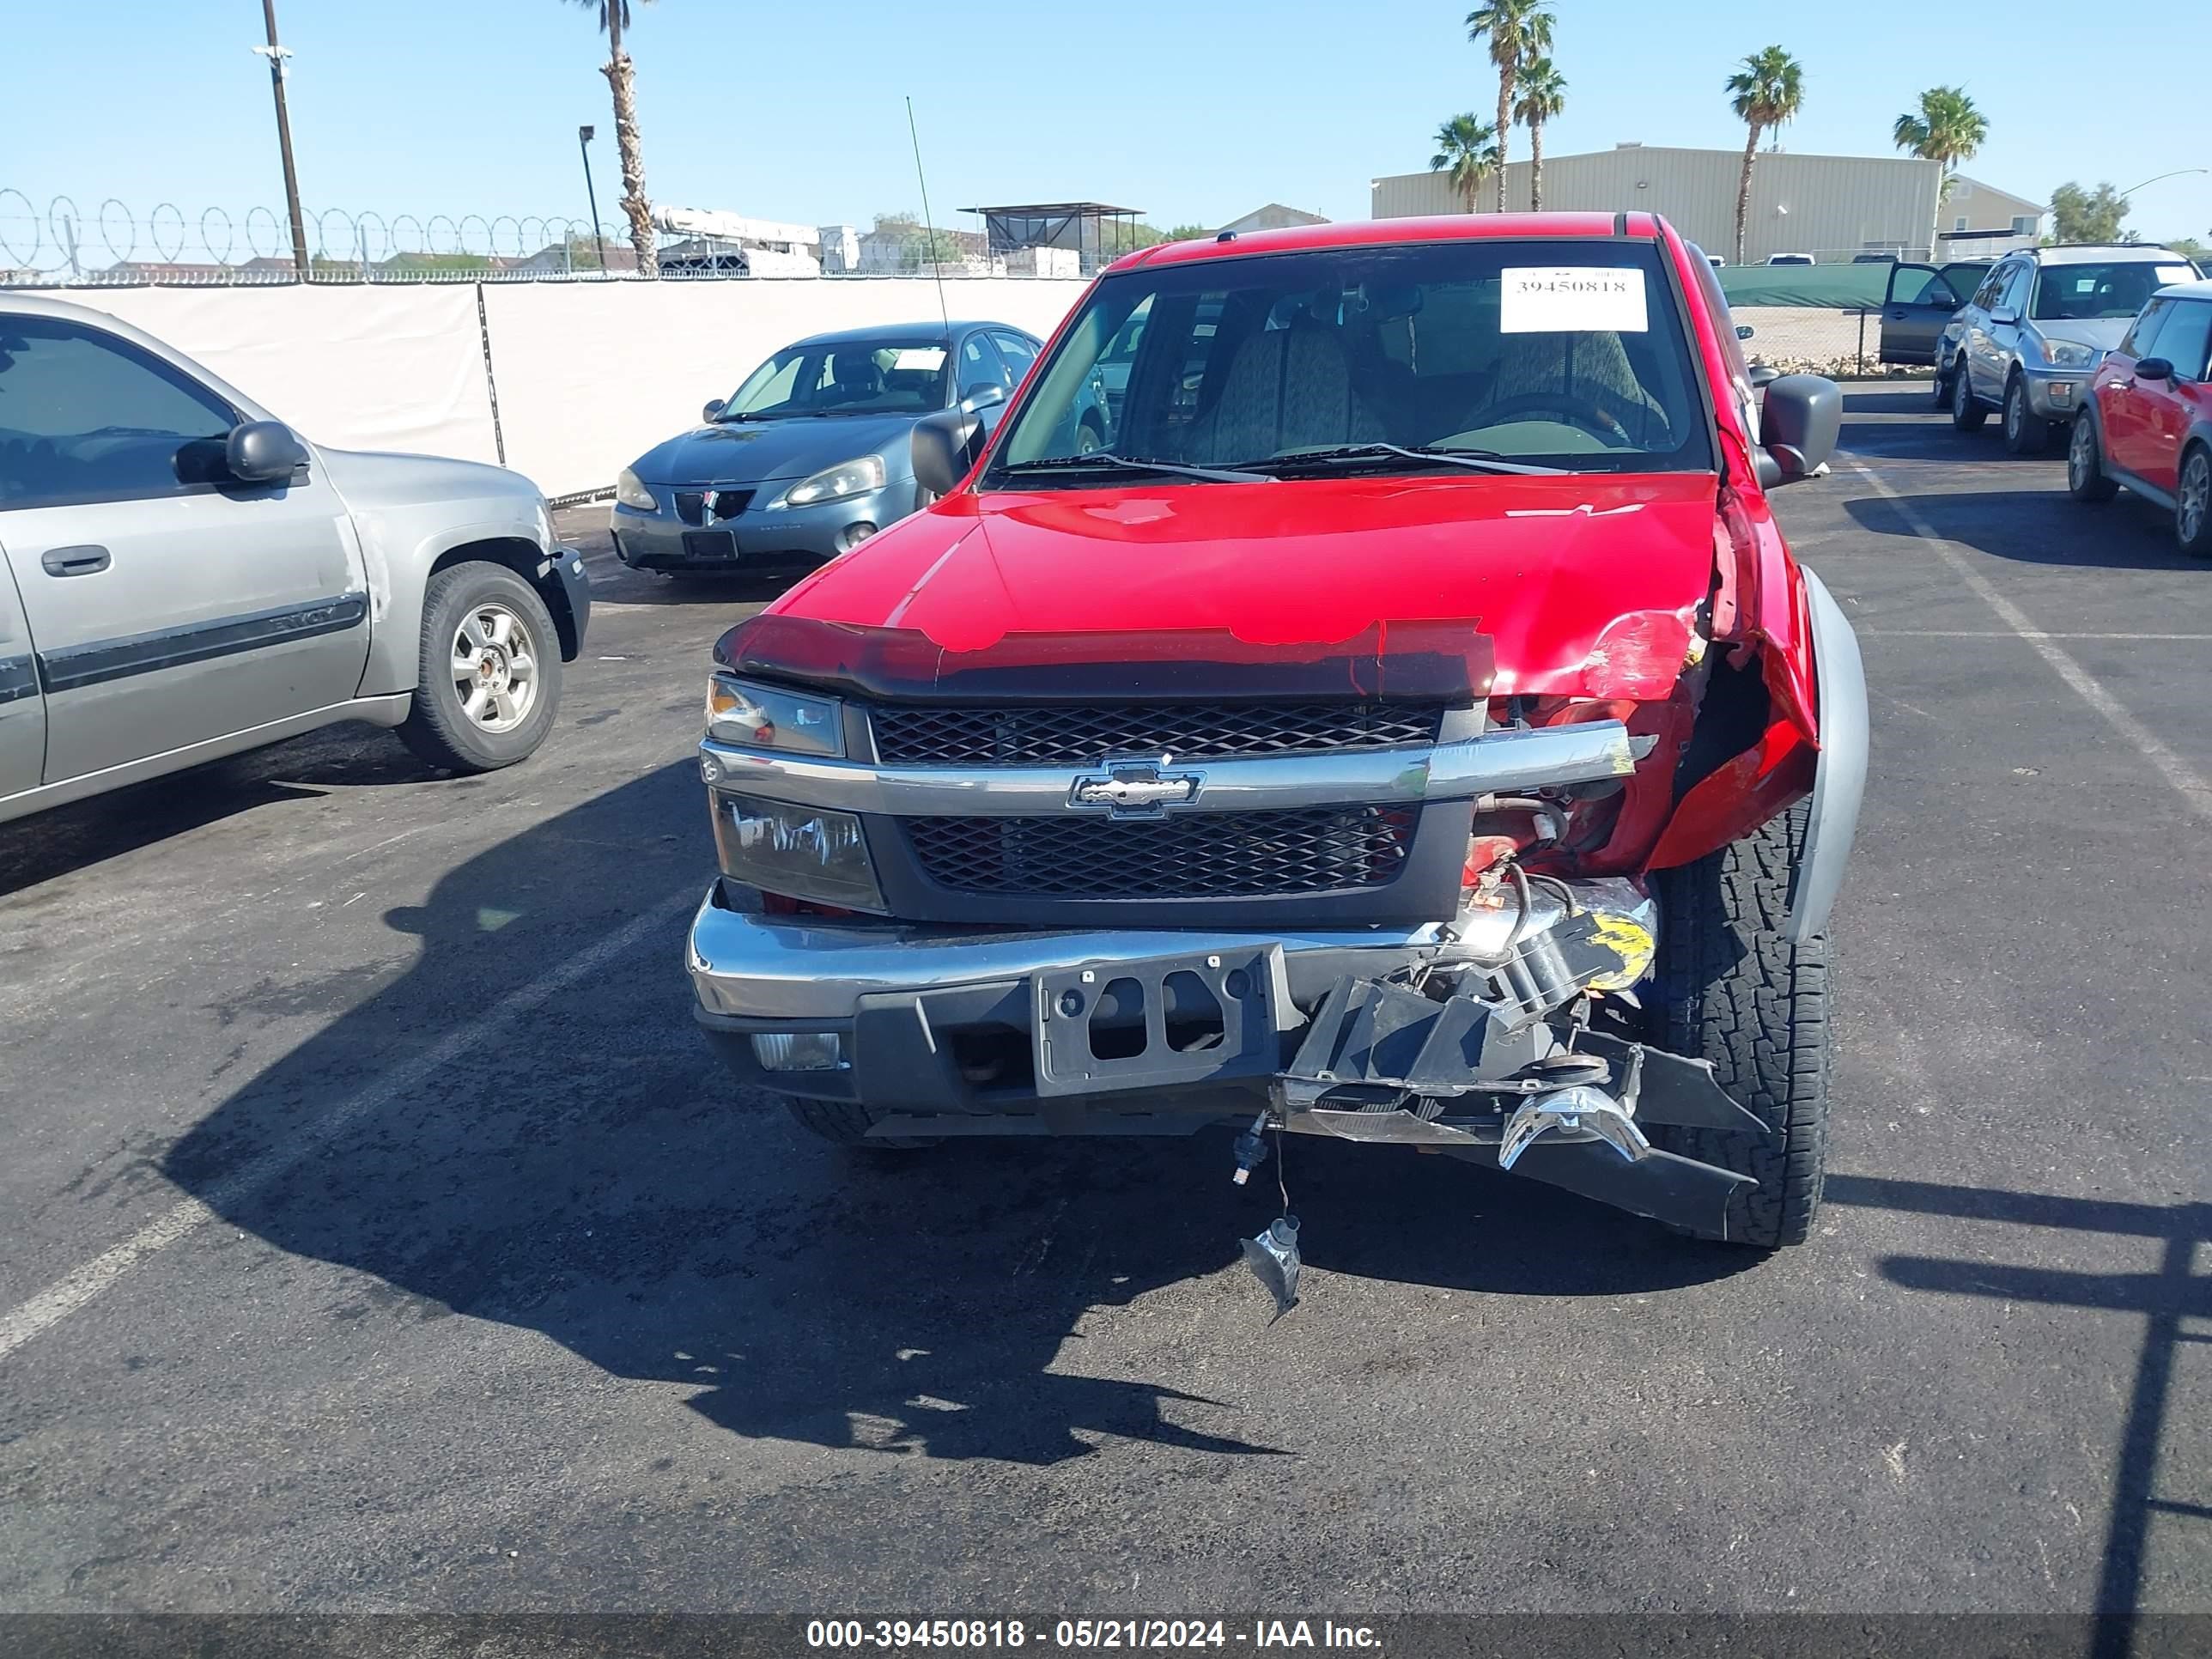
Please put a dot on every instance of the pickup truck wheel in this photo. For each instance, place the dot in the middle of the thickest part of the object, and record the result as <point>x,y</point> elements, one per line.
<point>1733,990</point>
<point>490,670</point>
<point>2193,504</point>
<point>846,1123</point>
<point>2026,433</point>
<point>1967,413</point>
<point>2085,463</point>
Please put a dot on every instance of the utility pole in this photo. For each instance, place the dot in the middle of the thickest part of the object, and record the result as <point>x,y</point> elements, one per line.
<point>592,194</point>
<point>276,54</point>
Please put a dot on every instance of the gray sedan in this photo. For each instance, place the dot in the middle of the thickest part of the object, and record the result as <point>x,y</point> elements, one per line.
<point>812,454</point>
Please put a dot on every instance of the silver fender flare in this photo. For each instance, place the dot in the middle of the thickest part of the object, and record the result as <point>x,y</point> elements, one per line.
<point>1840,779</point>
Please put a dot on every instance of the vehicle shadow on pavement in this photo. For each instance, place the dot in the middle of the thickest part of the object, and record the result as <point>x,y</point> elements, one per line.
<point>2125,534</point>
<point>585,1169</point>
<point>2167,1295</point>
<point>65,839</point>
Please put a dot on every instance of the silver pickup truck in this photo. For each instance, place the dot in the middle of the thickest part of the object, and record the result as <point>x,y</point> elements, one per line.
<point>183,577</point>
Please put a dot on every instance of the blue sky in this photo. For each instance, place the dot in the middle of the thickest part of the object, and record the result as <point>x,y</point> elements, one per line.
<point>1193,110</point>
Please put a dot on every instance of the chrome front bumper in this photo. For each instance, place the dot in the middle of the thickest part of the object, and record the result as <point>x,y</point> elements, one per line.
<point>752,967</point>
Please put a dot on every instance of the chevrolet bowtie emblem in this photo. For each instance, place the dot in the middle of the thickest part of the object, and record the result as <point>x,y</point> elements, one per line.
<point>1141,790</point>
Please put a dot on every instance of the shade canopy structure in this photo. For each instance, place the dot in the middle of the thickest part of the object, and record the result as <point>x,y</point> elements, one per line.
<point>1096,232</point>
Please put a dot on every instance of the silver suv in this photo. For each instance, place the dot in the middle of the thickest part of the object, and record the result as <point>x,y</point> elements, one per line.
<point>2028,341</point>
<point>183,577</point>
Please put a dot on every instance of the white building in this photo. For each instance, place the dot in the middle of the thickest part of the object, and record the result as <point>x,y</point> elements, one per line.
<point>1829,206</point>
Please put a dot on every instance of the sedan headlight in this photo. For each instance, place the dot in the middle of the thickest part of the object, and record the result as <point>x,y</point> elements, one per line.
<point>766,717</point>
<point>631,491</point>
<point>2068,353</point>
<point>835,483</point>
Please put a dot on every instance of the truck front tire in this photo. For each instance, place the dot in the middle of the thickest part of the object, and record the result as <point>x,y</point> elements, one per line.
<point>1733,990</point>
<point>489,669</point>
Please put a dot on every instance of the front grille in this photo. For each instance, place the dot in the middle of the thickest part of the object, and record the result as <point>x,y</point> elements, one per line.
<point>1079,734</point>
<point>1198,855</point>
<point>693,506</point>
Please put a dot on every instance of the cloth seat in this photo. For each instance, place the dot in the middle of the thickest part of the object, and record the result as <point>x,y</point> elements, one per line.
<point>1286,388</point>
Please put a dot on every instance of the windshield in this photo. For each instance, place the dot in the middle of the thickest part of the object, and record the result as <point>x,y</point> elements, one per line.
<point>2083,294</point>
<point>888,376</point>
<point>1554,354</point>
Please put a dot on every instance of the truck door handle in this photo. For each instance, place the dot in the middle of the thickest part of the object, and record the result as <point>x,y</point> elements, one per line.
<point>79,561</point>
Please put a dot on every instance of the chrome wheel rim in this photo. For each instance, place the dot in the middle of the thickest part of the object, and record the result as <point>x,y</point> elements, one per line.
<point>2195,497</point>
<point>495,667</point>
<point>2013,400</point>
<point>1961,396</point>
<point>2082,455</point>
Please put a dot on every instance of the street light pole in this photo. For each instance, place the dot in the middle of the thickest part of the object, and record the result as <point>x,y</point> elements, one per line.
<point>592,194</point>
<point>276,54</point>
<point>2175,174</point>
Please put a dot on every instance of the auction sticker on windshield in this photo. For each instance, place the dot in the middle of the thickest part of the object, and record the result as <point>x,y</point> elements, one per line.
<point>924,357</point>
<point>1572,300</point>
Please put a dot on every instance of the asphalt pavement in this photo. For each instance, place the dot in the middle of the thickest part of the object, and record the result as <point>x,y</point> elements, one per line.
<point>376,1233</point>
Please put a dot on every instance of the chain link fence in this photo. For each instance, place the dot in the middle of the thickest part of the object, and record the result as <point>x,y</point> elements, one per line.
<point>61,244</point>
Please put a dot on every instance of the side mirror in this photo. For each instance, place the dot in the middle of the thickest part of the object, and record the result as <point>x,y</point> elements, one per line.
<point>946,446</point>
<point>1745,331</point>
<point>984,394</point>
<point>1762,375</point>
<point>263,452</point>
<point>1803,417</point>
<point>2154,368</point>
<point>713,408</point>
<point>2004,316</point>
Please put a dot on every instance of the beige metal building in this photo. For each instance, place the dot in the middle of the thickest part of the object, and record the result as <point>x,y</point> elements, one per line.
<point>1829,206</point>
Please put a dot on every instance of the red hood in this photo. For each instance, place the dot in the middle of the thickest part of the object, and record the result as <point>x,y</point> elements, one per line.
<point>1540,565</point>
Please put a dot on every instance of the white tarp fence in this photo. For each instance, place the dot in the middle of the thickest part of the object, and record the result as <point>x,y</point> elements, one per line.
<point>366,368</point>
<point>587,375</point>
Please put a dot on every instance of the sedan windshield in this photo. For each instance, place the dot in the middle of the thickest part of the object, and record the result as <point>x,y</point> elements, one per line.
<point>891,376</point>
<point>2102,293</point>
<point>1551,355</point>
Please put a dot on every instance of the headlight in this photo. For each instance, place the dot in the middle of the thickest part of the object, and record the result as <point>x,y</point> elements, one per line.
<point>631,491</point>
<point>835,483</point>
<point>801,851</point>
<point>762,717</point>
<point>2068,353</point>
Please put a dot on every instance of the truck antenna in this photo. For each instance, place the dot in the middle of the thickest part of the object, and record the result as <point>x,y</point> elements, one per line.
<point>928,224</point>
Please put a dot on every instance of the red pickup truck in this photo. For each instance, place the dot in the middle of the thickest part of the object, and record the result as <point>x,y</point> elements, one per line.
<point>1395,715</point>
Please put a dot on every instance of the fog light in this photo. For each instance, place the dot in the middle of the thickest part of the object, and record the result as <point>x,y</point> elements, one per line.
<point>854,535</point>
<point>2062,391</point>
<point>800,1051</point>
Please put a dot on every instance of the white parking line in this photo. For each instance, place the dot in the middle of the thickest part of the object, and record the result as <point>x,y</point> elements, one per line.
<point>2010,634</point>
<point>2187,782</point>
<point>74,1290</point>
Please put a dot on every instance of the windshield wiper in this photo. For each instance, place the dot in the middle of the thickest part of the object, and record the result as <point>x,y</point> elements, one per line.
<point>1106,457</point>
<point>1474,460</point>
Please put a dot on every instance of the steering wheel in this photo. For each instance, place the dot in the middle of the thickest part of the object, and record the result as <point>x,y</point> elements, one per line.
<point>1582,413</point>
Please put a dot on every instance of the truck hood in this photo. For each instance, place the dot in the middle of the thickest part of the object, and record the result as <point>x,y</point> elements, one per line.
<point>754,451</point>
<point>1540,565</point>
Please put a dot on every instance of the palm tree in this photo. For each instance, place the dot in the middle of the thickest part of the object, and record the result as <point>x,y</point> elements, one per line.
<point>1768,90</point>
<point>1543,95</point>
<point>1948,128</point>
<point>622,76</point>
<point>1467,145</point>
<point>1518,31</point>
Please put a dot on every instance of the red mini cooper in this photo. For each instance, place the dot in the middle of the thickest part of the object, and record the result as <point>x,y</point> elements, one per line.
<point>2148,423</point>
